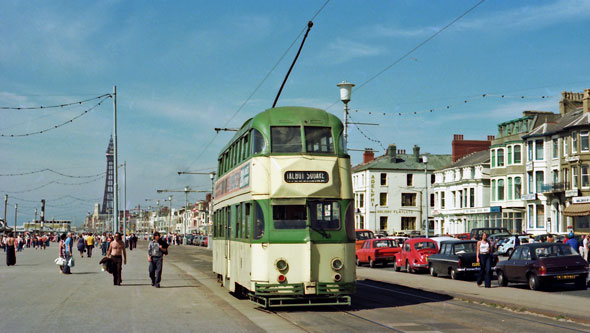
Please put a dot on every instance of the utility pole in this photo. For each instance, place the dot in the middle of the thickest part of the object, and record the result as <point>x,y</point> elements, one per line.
<point>15,214</point>
<point>186,191</point>
<point>115,155</point>
<point>5,208</point>
<point>426,201</point>
<point>345,92</point>
<point>212,176</point>
<point>125,200</point>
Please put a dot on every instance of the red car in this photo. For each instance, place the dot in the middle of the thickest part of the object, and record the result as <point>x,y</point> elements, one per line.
<point>463,236</point>
<point>414,254</point>
<point>375,251</point>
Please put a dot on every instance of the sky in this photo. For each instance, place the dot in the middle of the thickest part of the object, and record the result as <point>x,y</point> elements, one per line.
<point>183,68</point>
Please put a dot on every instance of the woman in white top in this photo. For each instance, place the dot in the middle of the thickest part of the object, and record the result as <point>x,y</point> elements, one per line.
<point>484,258</point>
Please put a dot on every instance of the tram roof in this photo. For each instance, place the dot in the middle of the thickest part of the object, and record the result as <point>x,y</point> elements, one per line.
<point>285,116</point>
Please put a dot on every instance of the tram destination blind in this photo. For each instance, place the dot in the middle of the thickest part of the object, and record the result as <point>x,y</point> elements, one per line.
<point>306,177</point>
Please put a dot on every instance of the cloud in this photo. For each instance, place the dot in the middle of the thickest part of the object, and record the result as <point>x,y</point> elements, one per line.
<point>341,51</point>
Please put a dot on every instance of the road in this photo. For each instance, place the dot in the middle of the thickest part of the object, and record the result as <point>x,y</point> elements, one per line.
<point>191,300</point>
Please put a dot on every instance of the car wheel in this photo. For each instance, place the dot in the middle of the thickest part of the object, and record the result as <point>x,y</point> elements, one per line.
<point>358,262</point>
<point>509,252</point>
<point>396,267</point>
<point>580,283</point>
<point>502,281</point>
<point>371,263</point>
<point>453,274</point>
<point>408,268</point>
<point>432,271</point>
<point>534,283</point>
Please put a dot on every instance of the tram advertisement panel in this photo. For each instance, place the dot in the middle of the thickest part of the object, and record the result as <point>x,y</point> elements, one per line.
<point>236,180</point>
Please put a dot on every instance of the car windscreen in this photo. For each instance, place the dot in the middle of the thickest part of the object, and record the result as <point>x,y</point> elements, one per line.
<point>555,250</point>
<point>424,245</point>
<point>462,248</point>
<point>384,243</point>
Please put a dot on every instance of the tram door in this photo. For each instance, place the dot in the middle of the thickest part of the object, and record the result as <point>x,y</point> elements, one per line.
<point>228,243</point>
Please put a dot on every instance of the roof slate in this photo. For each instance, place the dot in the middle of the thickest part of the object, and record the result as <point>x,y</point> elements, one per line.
<point>405,162</point>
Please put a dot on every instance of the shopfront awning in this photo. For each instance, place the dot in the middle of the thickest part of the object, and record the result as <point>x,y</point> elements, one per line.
<point>581,209</point>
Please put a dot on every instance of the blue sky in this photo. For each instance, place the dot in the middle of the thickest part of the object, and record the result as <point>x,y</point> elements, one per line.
<point>184,67</point>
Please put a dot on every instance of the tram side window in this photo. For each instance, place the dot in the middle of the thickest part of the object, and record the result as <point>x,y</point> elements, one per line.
<point>325,214</point>
<point>239,221</point>
<point>258,142</point>
<point>258,221</point>
<point>285,139</point>
<point>319,140</point>
<point>289,216</point>
<point>247,220</point>
<point>245,148</point>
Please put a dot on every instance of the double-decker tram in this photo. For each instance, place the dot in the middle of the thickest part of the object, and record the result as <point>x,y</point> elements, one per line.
<point>283,230</point>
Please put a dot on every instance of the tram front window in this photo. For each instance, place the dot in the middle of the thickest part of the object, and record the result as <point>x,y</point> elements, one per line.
<point>289,216</point>
<point>325,215</point>
<point>285,139</point>
<point>319,140</point>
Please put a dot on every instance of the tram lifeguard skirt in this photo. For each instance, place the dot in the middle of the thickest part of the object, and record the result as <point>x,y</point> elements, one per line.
<point>581,209</point>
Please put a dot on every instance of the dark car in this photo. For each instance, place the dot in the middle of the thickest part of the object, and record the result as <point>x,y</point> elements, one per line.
<point>543,238</point>
<point>477,232</point>
<point>456,258</point>
<point>543,263</point>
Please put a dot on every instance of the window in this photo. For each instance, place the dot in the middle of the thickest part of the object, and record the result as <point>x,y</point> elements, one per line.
<point>585,175</point>
<point>409,199</point>
<point>493,151</point>
<point>238,232</point>
<point>408,223</point>
<point>509,188</point>
<point>565,146</point>
<point>454,199</point>
<point>531,216</point>
<point>258,142</point>
<point>382,199</point>
<point>383,179</point>
<point>584,141</point>
<point>555,174</point>
<point>319,140</point>
<point>289,216</point>
<point>539,150</point>
<point>471,197</point>
<point>361,200</point>
<point>555,148</point>
<point>517,154</point>
<point>575,183</point>
<point>442,200</point>
<point>432,179</point>
<point>285,139</point>
<point>500,157</point>
<point>460,198</point>
<point>574,142</point>
<point>565,173</point>
<point>247,220</point>
<point>382,222</point>
<point>258,221</point>
<point>500,189</point>
<point>540,216</point>
<point>432,199</point>
<point>493,190</point>
<point>325,215</point>
<point>246,148</point>
<point>509,150</point>
<point>539,177</point>
<point>409,179</point>
<point>530,150</point>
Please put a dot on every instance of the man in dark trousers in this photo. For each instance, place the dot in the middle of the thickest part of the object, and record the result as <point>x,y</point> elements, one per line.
<point>156,249</point>
<point>118,254</point>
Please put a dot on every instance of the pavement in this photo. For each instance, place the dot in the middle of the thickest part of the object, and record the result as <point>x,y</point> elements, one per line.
<point>547,303</point>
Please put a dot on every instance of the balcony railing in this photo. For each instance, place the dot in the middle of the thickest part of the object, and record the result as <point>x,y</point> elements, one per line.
<point>555,187</point>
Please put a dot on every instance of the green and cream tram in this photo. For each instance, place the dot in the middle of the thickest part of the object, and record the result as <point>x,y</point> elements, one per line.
<point>283,230</point>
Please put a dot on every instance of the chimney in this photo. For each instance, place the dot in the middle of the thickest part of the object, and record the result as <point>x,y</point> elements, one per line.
<point>417,153</point>
<point>368,155</point>
<point>392,153</point>
<point>457,137</point>
<point>586,101</point>
<point>491,137</point>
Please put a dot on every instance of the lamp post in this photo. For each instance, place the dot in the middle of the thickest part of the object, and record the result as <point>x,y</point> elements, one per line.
<point>426,201</point>
<point>15,213</point>
<point>5,208</point>
<point>345,92</point>
<point>212,176</point>
<point>169,213</point>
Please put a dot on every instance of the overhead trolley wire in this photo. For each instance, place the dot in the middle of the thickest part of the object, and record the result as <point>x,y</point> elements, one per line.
<point>53,182</point>
<point>53,106</point>
<point>49,170</point>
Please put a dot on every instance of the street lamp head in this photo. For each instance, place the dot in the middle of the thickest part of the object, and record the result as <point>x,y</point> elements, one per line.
<point>212,175</point>
<point>169,198</point>
<point>186,189</point>
<point>345,91</point>
<point>425,159</point>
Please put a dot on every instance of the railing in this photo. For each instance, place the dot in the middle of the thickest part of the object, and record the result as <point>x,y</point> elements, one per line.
<point>555,187</point>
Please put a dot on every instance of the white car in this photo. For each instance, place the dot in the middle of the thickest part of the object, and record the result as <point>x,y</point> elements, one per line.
<point>439,239</point>
<point>508,246</point>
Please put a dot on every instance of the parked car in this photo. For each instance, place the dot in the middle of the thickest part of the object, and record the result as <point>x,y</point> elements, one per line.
<point>477,232</point>
<point>543,263</point>
<point>456,258</point>
<point>439,239</point>
<point>506,246</point>
<point>377,251</point>
<point>205,241</point>
<point>362,235</point>
<point>464,235</point>
<point>543,238</point>
<point>414,253</point>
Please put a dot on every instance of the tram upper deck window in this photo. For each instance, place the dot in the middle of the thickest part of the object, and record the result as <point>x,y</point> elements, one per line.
<point>258,142</point>
<point>319,140</point>
<point>325,215</point>
<point>289,216</point>
<point>285,139</point>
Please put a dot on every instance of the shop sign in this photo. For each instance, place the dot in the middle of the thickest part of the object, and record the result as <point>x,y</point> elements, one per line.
<point>495,209</point>
<point>529,166</point>
<point>477,210</point>
<point>530,196</point>
<point>577,200</point>
<point>571,193</point>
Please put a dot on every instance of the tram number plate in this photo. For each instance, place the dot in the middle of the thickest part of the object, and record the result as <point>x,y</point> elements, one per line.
<point>565,277</point>
<point>306,177</point>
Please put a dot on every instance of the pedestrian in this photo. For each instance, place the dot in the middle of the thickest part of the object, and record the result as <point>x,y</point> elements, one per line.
<point>61,251</point>
<point>104,244</point>
<point>550,238</point>
<point>68,248</point>
<point>117,252</point>
<point>156,250</point>
<point>89,244</point>
<point>19,243</point>
<point>10,250</point>
<point>81,246</point>
<point>484,258</point>
<point>572,241</point>
<point>586,245</point>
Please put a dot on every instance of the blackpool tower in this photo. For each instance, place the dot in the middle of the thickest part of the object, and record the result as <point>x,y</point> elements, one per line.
<point>107,201</point>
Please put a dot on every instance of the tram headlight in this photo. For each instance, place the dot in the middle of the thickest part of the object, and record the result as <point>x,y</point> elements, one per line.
<point>337,264</point>
<point>281,265</point>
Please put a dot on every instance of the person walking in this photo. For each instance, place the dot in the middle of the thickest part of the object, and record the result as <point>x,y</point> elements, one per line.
<point>156,251</point>
<point>484,258</point>
<point>118,254</point>
<point>81,245</point>
<point>104,244</point>
<point>68,248</point>
<point>585,240</point>
<point>61,250</point>
<point>89,244</point>
<point>10,250</point>
<point>572,241</point>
